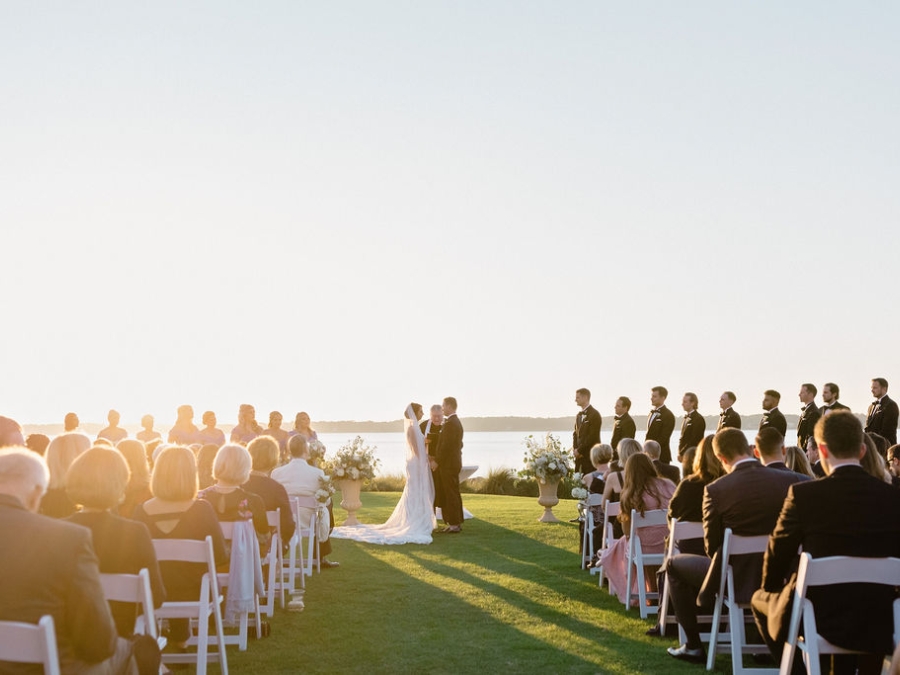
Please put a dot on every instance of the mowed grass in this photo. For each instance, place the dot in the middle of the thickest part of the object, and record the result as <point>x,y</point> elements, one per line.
<point>507,595</point>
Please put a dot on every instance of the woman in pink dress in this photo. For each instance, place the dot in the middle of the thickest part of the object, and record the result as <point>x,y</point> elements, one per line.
<point>644,491</point>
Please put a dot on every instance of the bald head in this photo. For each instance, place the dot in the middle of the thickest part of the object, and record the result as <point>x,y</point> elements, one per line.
<point>652,449</point>
<point>24,475</point>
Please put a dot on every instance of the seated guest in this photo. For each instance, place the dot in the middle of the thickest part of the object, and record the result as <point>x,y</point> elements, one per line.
<point>61,452</point>
<point>769,449</point>
<point>302,480</point>
<point>11,434</point>
<point>687,460</point>
<point>174,512</point>
<point>49,567</point>
<point>872,461</point>
<point>615,477</point>
<point>184,431</point>
<point>652,449</point>
<point>229,500</point>
<point>205,459</point>
<point>37,443</point>
<point>795,459</point>
<point>138,489</point>
<point>96,481</point>
<point>601,455</point>
<point>247,427</point>
<point>264,453</point>
<point>880,442</point>
<point>812,454</point>
<point>210,434</point>
<point>644,491</point>
<point>894,466</point>
<point>747,499</point>
<point>147,434</point>
<point>687,502</point>
<point>113,433</point>
<point>847,513</point>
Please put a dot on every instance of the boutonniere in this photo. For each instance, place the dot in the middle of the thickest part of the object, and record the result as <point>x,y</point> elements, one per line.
<point>584,417</point>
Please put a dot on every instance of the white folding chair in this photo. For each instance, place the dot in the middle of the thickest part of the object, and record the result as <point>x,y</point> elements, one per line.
<point>240,639</point>
<point>293,565</point>
<point>826,571</point>
<point>734,640</point>
<point>308,507</point>
<point>610,513</point>
<point>678,531</point>
<point>134,588</point>
<point>274,561</point>
<point>30,643</point>
<point>587,539</point>
<point>197,611</point>
<point>636,560</point>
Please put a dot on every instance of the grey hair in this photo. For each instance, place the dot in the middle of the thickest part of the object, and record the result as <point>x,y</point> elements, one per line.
<point>22,466</point>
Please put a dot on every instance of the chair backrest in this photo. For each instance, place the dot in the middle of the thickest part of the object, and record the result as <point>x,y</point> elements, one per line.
<point>306,501</point>
<point>686,529</point>
<point>30,643</point>
<point>132,588</point>
<point>186,550</point>
<point>274,518</point>
<point>227,529</point>
<point>594,499</point>
<point>843,569</point>
<point>649,519</point>
<point>734,544</point>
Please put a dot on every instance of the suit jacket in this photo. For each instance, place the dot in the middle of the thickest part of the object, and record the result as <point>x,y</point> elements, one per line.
<point>450,445</point>
<point>434,435</point>
<point>834,407</point>
<point>748,500</point>
<point>585,437</point>
<point>693,427</point>
<point>623,427</point>
<point>807,422</point>
<point>847,513</point>
<point>729,419</point>
<point>274,496</point>
<point>781,466</point>
<point>773,418</point>
<point>49,567</point>
<point>667,471</point>
<point>882,419</point>
<point>660,430</point>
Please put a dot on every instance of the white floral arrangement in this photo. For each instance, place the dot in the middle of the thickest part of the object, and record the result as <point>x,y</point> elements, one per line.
<point>545,459</point>
<point>353,461</point>
<point>579,493</point>
<point>316,453</point>
<point>326,489</point>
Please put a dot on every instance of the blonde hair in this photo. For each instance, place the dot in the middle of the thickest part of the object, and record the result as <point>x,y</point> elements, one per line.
<point>232,464</point>
<point>174,476</point>
<point>97,478</point>
<point>627,448</point>
<point>135,453</point>
<point>61,452</point>
<point>264,452</point>
<point>601,454</point>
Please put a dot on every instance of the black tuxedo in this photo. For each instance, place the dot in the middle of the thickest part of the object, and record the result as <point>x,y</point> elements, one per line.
<point>693,427</point>
<point>433,438</point>
<point>585,437</point>
<point>623,427</point>
<point>807,422</point>
<point>729,419</point>
<point>847,513</point>
<point>882,419</point>
<point>781,466</point>
<point>659,429</point>
<point>773,418</point>
<point>667,471</point>
<point>748,500</point>
<point>834,407</point>
<point>449,459</point>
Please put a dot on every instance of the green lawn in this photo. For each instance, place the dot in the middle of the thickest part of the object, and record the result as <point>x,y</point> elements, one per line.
<point>507,595</point>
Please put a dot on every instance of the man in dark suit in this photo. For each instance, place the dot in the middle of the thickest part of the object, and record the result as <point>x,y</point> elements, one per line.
<point>587,431</point>
<point>449,464</point>
<point>769,449</point>
<point>431,429</point>
<point>847,513</point>
<point>772,416</point>
<point>623,426</point>
<point>729,417</point>
<point>652,450</point>
<point>883,412</point>
<point>49,567</point>
<point>809,414</point>
<point>747,499</point>
<point>693,426</point>
<point>660,423</point>
<point>830,394</point>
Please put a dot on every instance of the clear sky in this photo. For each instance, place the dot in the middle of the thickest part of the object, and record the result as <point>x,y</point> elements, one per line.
<point>342,206</point>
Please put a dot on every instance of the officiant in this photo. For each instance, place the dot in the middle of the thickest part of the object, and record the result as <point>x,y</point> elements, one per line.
<point>431,429</point>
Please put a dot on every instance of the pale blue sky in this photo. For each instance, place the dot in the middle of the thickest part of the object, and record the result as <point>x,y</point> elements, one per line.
<point>339,207</point>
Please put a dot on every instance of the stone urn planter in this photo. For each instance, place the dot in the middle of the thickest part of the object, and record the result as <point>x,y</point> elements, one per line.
<point>548,500</point>
<point>350,501</point>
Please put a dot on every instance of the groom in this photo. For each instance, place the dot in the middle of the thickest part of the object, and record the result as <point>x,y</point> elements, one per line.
<point>449,464</point>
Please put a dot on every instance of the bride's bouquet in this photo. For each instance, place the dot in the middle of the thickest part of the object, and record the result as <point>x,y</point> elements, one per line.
<point>316,453</point>
<point>353,461</point>
<point>545,459</point>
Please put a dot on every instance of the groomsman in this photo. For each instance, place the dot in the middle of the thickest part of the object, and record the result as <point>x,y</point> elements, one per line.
<point>830,394</point>
<point>693,426</point>
<point>883,412</point>
<point>587,431</point>
<point>809,414</point>
<point>772,416</point>
<point>624,426</point>
<point>660,423</point>
<point>729,417</point>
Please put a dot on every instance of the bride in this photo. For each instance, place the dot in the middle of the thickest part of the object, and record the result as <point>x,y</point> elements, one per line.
<point>412,521</point>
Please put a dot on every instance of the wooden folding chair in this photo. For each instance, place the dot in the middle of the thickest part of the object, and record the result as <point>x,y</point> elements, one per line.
<point>197,611</point>
<point>587,539</point>
<point>30,643</point>
<point>610,513</point>
<point>734,640</point>
<point>678,531</point>
<point>827,571</point>
<point>636,560</point>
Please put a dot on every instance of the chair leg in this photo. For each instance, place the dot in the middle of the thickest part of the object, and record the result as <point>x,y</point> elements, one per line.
<point>714,635</point>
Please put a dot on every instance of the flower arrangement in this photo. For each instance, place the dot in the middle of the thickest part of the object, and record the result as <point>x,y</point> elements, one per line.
<point>353,461</point>
<point>579,493</point>
<point>326,489</point>
<point>545,459</point>
<point>316,453</point>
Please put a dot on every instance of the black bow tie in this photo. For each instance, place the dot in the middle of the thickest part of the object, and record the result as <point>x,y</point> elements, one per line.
<point>654,411</point>
<point>875,402</point>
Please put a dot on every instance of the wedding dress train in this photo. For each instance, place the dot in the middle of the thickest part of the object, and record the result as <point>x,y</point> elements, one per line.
<point>412,521</point>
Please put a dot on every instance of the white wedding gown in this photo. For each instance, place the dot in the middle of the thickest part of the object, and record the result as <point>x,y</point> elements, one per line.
<point>412,521</point>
